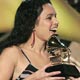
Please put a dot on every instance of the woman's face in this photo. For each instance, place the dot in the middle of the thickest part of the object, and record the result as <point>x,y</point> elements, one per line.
<point>46,23</point>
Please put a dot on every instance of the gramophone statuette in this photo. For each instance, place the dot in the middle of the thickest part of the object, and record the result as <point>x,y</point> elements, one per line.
<point>60,58</point>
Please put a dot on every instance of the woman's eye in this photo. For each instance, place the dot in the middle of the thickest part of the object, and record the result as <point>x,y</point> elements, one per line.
<point>49,18</point>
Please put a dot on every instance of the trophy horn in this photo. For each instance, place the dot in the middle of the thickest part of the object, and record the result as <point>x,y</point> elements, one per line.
<point>60,53</point>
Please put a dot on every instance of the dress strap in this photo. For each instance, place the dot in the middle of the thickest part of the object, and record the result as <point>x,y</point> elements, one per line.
<point>25,55</point>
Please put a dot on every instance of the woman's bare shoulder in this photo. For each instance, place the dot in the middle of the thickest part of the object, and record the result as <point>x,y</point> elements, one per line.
<point>8,61</point>
<point>9,53</point>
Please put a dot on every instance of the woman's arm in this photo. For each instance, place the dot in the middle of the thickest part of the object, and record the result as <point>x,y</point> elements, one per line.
<point>8,60</point>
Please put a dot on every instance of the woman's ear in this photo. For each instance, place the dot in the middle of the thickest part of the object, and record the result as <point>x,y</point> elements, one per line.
<point>37,21</point>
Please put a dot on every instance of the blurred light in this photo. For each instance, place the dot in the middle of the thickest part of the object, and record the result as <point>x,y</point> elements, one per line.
<point>69,20</point>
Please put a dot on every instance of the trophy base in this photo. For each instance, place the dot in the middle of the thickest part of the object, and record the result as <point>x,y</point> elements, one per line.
<point>66,70</point>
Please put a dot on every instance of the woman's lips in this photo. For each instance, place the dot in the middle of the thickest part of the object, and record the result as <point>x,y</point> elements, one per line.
<point>53,30</point>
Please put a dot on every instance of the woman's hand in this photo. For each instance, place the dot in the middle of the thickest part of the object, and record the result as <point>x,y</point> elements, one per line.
<point>72,78</point>
<point>42,75</point>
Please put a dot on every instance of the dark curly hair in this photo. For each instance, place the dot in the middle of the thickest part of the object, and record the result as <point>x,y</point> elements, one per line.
<point>25,19</point>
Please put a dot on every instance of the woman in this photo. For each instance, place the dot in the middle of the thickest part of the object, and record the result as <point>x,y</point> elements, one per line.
<point>25,56</point>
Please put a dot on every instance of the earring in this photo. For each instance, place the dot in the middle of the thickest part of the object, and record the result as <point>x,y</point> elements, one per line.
<point>33,41</point>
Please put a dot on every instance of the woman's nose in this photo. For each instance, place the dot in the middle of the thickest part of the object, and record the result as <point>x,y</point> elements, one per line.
<point>56,22</point>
